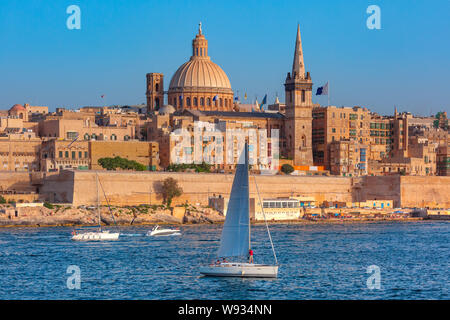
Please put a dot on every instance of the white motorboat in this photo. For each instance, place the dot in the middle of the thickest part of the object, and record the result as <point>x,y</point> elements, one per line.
<point>156,231</point>
<point>99,235</point>
<point>235,240</point>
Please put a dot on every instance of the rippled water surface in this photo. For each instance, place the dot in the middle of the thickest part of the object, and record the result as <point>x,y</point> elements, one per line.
<point>317,262</point>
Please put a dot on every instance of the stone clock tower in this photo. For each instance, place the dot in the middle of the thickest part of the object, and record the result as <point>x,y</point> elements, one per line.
<point>298,125</point>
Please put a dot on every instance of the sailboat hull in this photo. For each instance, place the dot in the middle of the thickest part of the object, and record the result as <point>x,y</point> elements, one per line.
<point>242,270</point>
<point>96,236</point>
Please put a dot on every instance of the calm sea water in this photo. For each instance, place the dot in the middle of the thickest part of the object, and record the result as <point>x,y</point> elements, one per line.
<point>317,262</point>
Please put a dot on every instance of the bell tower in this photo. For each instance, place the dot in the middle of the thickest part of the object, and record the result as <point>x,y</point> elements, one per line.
<point>298,126</point>
<point>155,91</point>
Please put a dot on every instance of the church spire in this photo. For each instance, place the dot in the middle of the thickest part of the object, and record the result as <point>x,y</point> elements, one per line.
<point>298,68</point>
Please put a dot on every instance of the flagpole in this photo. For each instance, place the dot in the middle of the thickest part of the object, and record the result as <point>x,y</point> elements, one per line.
<point>328,92</point>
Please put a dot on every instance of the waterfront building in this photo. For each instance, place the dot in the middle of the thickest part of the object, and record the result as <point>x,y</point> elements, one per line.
<point>143,152</point>
<point>348,158</point>
<point>19,152</point>
<point>84,155</point>
<point>280,209</point>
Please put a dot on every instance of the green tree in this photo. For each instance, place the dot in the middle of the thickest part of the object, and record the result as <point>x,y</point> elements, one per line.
<point>122,163</point>
<point>287,168</point>
<point>203,167</point>
<point>170,189</point>
<point>2,200</point>
<point>48,205</point>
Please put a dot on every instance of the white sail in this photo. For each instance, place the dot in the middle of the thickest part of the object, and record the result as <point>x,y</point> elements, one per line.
<point>235,239</point>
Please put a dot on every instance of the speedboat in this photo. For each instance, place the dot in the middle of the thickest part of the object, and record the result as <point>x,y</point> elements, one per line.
<point>99,235</point>
<point>156,231</point>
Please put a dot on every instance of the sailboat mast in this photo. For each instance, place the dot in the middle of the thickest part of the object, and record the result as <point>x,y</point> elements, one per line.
<point>249,225</point>
<point>98,207</point>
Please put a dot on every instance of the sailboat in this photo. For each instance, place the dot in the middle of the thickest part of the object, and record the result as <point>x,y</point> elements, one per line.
<point>99,235</point>
<point>235,240</point>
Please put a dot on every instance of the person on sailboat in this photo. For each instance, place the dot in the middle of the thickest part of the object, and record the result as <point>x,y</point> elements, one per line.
<point>250,256</point>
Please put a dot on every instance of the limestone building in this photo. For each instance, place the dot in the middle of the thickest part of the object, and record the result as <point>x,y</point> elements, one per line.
<point>201,91</point>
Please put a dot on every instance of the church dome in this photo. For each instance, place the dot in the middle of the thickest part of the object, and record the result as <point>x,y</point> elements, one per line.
<point>200,72</point>
<point>17,107</point>
<point>200,83</point>
<point>166,109</point>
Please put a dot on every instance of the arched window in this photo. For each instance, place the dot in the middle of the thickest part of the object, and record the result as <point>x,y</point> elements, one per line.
<point>195,102</point>
<point>113,137</point>
<point>157,87</point>
<point>94,136</point>
<point>174,102</point>
<point>303,141</point>
<point>86,136</point>
<point>226,102</point>
<point>208,102</point>
<point>188,102</point>
<point>221,102</point>
<point>202,101</point>
<point>126,138</point>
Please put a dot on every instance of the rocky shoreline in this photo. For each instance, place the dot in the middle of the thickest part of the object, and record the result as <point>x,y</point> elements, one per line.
<point>60,215</point>
<point>88,216</point>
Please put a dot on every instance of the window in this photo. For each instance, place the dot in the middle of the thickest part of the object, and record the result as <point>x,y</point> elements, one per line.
<point>195,102</point>
<point>60,154</point>
<point>303,96</point>
<point>66,154</point>
<point>202,101</point>
<point>80,154</point>
<point>208,102</point>
<point>86,136</point>
<point>73,154</point>
<point>188,102</point>
<point>71,135</point>
<point>85,154</point>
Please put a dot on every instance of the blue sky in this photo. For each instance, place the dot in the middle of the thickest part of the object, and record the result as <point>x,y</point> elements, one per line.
<point>406,63</point>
